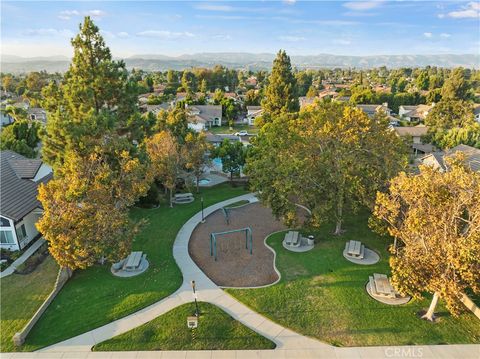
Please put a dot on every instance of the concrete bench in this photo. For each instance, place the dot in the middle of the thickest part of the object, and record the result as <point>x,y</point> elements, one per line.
<point>132,262</point>
<point>381,286</point>
<point>183,198</point>
<point>355,249</point>
<point>292,238</point>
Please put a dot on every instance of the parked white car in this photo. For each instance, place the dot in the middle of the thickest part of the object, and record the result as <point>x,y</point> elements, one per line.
<point>241,133</point>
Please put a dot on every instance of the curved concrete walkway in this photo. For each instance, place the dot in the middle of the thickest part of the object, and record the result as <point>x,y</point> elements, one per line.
<point>207,291</point>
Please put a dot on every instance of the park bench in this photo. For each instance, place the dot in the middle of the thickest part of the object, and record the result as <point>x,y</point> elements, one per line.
<point>183,198</point>
<point>292,238</point>
<point>380,286</point>
<point>132,263</point>
<point>355,249</point>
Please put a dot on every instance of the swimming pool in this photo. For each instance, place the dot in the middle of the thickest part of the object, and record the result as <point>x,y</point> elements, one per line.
<point>204,181</point>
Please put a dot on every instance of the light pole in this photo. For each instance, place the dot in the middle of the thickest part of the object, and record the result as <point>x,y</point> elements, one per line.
<point>203,217</point>
<point>195,297</point>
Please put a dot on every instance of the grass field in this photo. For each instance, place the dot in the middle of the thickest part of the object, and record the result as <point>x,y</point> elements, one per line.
<point>323,295</point>
<point>94,297</point>
<point>21,296</point>
<point>216,331</point>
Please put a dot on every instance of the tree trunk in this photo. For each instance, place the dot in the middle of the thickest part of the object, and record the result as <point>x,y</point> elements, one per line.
<point>198,184</point>
<point>430,314</point>
<point>171,198</point>
<point>339,216</point>
<point>231,176</point>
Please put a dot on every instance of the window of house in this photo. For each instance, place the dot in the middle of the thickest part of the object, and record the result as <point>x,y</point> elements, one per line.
<point>6,237</point>
<point>4,222</point>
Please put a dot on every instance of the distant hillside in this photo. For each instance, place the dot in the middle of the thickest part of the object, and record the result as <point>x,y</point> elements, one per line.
<point>249,61</point>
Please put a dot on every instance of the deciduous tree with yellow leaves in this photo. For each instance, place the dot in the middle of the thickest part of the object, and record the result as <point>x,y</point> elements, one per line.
<point>435,220</point>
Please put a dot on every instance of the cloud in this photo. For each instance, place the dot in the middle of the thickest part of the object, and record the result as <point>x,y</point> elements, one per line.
<point>289,2</point>
<point>122,34</point>
<point>445,35</point>
<point>469,11</point>
<point>95,13</point>
<point>214,7</point>
<point>362,5</point>
<point>48,32</point>
<point>165,34</point>
<point>290,38</point>
<point>428,35</point>
<point>221,37</point>
<point>68,14</point>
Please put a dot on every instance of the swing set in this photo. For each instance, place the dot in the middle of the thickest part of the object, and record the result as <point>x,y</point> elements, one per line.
<point>248,240</point>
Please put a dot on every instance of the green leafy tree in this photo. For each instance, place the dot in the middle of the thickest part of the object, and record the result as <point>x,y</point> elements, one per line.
<point>232,154</point>
<point>435,219</point>
<point>331,158</point>
<point>94,100</point>
<point>448,114</point>
<point>312,92</point>
<point>196,159</point>
<point>280,95</point>
<point>456,86</point>
<point>252,98</point>
<point>21,137</point>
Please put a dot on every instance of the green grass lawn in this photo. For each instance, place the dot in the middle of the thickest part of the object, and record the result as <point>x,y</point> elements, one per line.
<point>21,296</point>
<point>323,295</point>
<point>94,297</point>
<point>235,128</point>
<point>216,331</point>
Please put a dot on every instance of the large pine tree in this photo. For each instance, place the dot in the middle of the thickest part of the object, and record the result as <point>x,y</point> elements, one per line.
<point>94,100</point>
<point>281,91</point>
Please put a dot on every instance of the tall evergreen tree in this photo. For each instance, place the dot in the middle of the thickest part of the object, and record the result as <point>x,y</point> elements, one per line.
<point>281,91</point>
<point>94,100</point>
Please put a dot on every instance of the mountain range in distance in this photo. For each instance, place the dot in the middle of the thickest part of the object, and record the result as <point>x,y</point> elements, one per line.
<point>247,61</point>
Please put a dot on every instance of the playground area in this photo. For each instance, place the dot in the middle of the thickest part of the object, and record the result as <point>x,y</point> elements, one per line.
<point>235,266</point>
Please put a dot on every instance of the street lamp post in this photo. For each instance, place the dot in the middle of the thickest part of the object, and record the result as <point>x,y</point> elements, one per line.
<point>195,297</point>
<point>203,217</point>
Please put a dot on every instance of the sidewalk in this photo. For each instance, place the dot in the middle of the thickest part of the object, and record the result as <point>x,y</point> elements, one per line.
<point>32,249</point>
<point>385,352</point>
<point>289,343</point>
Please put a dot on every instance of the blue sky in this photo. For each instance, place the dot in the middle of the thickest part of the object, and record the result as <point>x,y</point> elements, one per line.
<point>41,28</point>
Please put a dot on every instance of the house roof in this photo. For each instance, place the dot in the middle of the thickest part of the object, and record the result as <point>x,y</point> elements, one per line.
<point>472,155</point>
<point>219,138</point>
<point>416,131</point>
<point>476,109</point>
<point>419,111</point>
<point>18,190</point>
<point>207,112</point>
<point>373,109</point>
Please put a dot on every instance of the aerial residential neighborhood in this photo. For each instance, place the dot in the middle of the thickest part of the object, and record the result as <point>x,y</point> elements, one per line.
<point>240,179</point>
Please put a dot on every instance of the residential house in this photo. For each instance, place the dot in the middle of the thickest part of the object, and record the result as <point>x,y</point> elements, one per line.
<point>217,139</point>
<point>251,81</point>
<point>38,114</point>
<point>203,117</point>
<point>252,113</point>
<point>20,208</point>
<point>416,133</point>
<point>155,109</point>
<point>414,113</point>
<point>6,119</point>
<point>437,159</point>
<point>476,112</point>
<point>372,110</point>
<point>305,101</point>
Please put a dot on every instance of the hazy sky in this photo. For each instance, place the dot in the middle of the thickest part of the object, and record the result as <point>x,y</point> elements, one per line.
<point>42,28</point>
